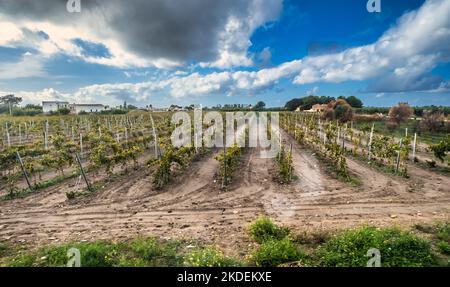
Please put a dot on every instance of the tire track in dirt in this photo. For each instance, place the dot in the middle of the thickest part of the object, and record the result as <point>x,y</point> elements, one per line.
<point>194,207</point>
<point>382,198</point>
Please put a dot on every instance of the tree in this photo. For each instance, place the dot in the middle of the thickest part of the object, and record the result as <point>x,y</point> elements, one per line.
<point>293,104</point>
<point>400,113</point>
<point>11,101</point>
<point>259,106</point>
<point>131,107</point>
<point>339,110</point>
<point>64,111</point>
<point>441,149</point>
<point>33,107</point>
<point>306,103</point>
<point>354,102</point>
<point>432,121</point>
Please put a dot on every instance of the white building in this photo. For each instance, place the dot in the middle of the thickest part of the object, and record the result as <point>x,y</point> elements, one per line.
<point>88,108</point>
<point>53,106</point>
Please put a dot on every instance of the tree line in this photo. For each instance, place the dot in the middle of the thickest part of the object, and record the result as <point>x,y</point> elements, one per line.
<point>306,103</point>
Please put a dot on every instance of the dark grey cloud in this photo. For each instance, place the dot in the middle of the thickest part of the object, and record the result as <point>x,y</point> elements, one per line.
<point>174,29</point>
<point>395,84</point>
<point>178,30</point>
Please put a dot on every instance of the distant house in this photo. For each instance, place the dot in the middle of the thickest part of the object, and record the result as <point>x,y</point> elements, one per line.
<point>317,108</point>
<point>88,108</point>
<point>53,106</point>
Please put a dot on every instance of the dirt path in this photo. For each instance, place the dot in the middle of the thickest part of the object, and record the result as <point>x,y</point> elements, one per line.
<point>382,199</point>
<point>195,207</point>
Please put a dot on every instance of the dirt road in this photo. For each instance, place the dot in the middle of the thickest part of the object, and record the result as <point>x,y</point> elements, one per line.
<point>195,207</point>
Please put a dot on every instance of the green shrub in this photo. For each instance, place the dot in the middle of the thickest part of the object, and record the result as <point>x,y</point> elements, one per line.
<point>444,247</point>
<point>275,252</point>
<point>431,163</point>
<point>443,231</point>
<point>71,195</point>
<point>154,253</point>
<point>209,257</point>
<point>285,166</point>
<point>3,249</point>
<point>313,238</point>
<point>97,254</point>
<point>140,252</point>
<point>146,248</point>
<point>264,229</point>
<point>424,228</point>
<point>398,248</point>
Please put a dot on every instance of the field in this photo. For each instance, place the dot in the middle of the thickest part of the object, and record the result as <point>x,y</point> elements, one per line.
<point>411,126</point>
<point>140,186</point>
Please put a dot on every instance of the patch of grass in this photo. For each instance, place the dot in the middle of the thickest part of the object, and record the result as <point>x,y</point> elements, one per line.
<point>4,249</point>
<point>377,165</point>
<point>264,229</point>
<point>139,252</point>
<point>352,178</point>
<point>444,247</point>
<point>56,180</point>
<point>398,248</point>
<point>399,132</point>
<point>314,238</point>
<point>157,254</point>
<point>443,231</point>
<point>431,163</point>
<point>42,185</point>
<point>97,254</point>
<point>209,257</point>
<point>424,228</point>
<point>275,252</point>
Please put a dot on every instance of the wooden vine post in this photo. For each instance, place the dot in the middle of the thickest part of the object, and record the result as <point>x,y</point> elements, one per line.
<point>24,171</point>
<point>290,165</point>
<point>20,134</point>
<point>46,135</point>
<point>155,138</point>
<point>82,172</point>
<point>370,142</point>
<point>414,146</point>
<point>397,166</point>
<point>81,145</point>
<point>224,182</point>
<point>8,139</point>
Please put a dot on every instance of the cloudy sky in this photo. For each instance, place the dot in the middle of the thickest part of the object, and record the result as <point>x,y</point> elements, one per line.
<point>164,52</point>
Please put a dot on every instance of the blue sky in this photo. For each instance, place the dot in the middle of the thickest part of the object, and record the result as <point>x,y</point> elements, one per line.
<point>161,53</point>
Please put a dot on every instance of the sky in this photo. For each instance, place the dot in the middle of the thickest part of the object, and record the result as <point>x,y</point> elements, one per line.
<point>183,52</point>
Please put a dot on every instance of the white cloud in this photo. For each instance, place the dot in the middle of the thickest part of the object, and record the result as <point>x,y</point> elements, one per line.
<point>265,57</point>
<point>40,96</point>
<point>313,91</point>
<point>234,41</point>
<point>405,53</point>
<point>399,61</point>
<point>28,66</point>
<point>180,73</point>
<point>413,48</point>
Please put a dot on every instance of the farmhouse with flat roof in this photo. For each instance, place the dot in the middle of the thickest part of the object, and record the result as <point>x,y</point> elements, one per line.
<point>88,108</point>
<point>55,106</point>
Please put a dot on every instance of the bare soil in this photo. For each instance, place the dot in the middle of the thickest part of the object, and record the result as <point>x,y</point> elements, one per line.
<point>193,206</point>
